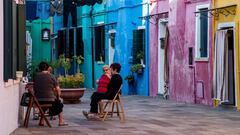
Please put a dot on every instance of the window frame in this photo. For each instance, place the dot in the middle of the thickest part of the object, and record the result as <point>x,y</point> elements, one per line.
<point>197,35</point>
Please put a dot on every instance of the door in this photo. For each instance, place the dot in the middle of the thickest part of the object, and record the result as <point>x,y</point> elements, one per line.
<point>111,46</point>
<point>161,37</point>
<point>231,76</point>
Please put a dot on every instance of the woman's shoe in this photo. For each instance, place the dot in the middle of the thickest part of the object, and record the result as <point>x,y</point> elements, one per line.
<point>85,114</point>
<point>63,124</point>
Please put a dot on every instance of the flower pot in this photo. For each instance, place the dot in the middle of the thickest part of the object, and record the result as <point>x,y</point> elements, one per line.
<point>140,71</point>
<point>19,75</point>
<point>72,95</point>
<point>130,82</point>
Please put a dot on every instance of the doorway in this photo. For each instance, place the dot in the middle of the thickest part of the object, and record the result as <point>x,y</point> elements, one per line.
<point>111,46</point>
<point>231,63</point>
<point>224,65</point>
<point>162,26</point>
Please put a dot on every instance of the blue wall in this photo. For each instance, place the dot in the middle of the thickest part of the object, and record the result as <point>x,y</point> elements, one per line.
<point>125,14</point>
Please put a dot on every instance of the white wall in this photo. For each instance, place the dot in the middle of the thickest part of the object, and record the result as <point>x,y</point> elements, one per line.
<point>9,96</point>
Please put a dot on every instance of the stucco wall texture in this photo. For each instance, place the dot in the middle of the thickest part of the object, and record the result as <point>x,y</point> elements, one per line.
<point>183,78</point>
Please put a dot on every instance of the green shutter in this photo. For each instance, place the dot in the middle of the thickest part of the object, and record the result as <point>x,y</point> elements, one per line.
<point>7,39</point>
<point>21,45</point>
<point>203,33</point>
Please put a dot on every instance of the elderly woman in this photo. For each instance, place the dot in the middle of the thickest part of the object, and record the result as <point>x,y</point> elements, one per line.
<point>104,79</point>
<point>47,91</point>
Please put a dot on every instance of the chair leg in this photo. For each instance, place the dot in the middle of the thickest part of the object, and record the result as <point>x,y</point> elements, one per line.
<point>42,113</point>
<point>112,109</point>
<point>106,113</point>
<point>122,110</point>
<point>27,115</point>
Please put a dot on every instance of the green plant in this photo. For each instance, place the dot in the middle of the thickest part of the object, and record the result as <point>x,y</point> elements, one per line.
<point>129,78</point>
<point>136,67</point>
<point>65,63</point>
<point>140,55</point>
<point>79,60</point>
<point>71,81</point>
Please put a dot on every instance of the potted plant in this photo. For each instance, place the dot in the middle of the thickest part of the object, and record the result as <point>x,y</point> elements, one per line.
<point>137,68</point>
<point>140,56</point>
<point>130,79</point>
<point>70,85</point>
<point>79,60</point>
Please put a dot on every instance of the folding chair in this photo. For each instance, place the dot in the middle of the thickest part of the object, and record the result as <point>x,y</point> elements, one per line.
<point>115,102</point>
<point>33,101</point>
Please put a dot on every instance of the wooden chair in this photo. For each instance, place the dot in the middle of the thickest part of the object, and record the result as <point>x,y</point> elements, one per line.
<point>34,102</point>
<point>115,102</point>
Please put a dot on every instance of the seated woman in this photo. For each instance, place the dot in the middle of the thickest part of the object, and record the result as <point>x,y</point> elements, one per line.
<point>112,89</point>
<point>104,80</point>
<point>47,91</point>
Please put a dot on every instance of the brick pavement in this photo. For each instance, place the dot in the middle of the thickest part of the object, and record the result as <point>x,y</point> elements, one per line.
<point>144,116</point>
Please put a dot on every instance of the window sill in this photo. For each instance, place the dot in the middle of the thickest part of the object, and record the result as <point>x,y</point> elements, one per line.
<point>100,62</point>
<point>201,59</point>
<point>11,82</point>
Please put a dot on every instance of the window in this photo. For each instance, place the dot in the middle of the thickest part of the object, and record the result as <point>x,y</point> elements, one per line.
<point>202,32</point>
<point>138,45</point>
<point>61,42</point>
<point>80,43</point>
<point>99,43</point>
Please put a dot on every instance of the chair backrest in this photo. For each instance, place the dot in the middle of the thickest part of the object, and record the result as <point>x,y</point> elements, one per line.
<point>118,93</point>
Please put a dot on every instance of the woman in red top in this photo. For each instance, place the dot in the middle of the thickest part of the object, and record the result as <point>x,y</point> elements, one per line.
<point>104,80</point>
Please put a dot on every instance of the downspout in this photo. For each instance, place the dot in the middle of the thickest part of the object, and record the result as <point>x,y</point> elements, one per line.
<point>147,50</point>
<point>91,23</point>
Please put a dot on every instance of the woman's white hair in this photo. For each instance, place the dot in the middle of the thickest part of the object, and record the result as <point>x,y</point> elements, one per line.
<point>105,66</point>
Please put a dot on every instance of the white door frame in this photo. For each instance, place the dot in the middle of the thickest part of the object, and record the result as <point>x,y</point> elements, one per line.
<point>161,34</point>
<point>110,49</point>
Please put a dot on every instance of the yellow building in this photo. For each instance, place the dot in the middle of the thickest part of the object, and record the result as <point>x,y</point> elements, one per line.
<point>226,78</point>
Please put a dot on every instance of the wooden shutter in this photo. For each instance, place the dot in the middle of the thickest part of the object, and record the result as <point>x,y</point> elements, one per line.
<point>21,41</point>
<point>7,39</point>
<point>71,43</point>
<point>61,42</point>
<point>203,33</point>
<point>79,42</point>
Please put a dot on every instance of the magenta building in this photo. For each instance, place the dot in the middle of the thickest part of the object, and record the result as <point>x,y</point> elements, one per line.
<point>181,50</point>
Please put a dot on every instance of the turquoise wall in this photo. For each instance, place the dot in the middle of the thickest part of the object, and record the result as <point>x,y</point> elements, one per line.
<point>41,50</point>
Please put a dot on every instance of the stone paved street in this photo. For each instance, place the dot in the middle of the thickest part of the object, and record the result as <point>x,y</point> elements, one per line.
<point>145,116</point>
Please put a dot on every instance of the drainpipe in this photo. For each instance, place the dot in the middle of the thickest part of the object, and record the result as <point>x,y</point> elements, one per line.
<point>91,23</point>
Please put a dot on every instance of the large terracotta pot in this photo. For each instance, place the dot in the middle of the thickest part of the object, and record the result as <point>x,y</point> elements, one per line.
<point>72,95</point>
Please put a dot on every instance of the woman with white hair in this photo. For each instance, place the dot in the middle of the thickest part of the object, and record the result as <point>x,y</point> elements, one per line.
<point>104,79</point>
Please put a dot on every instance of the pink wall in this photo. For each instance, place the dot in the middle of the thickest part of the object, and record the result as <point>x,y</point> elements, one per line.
<point>182,36</point>
<point>158,7</point>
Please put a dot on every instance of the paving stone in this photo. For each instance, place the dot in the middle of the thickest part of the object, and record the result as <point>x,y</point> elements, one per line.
<point>144,116</point>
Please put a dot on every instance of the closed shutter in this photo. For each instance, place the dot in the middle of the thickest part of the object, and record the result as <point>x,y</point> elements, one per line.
<point>80,43</point>
<point>71,43</point>
<point>7,39</point>
<point>203,33</point>
<point>21,41</point>
<point>61,42</point>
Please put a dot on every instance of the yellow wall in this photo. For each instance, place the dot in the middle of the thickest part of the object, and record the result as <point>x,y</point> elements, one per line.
<point>231,18</point>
